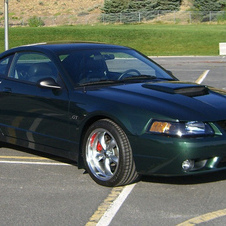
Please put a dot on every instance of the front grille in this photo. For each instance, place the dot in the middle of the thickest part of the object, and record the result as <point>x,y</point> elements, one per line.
<point>222,124</point>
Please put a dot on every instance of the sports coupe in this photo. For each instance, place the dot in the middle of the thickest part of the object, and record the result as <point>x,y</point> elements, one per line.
<point>112,110</point>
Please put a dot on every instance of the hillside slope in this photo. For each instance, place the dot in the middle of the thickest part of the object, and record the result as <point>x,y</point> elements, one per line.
<point>59,12</point>
<point>27,8</point>
<point>186,5</point>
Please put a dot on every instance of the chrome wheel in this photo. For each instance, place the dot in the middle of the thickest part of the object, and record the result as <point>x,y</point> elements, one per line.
<point>107,154</point>
<point>102,154</point>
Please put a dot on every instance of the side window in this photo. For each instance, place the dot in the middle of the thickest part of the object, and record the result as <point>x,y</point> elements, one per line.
<point>32,67</point>
<point>4,65</point>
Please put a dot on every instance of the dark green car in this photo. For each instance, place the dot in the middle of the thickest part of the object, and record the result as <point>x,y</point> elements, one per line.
<point>112,110</point>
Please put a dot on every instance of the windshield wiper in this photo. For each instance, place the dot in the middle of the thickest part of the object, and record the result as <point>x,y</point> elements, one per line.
<point>145,77</point>
<point>167,79</point>
<point>102,81</point>
<point>140,77</point>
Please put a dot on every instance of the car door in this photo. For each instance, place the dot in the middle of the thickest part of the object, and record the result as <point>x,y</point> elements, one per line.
<point>31,113</point>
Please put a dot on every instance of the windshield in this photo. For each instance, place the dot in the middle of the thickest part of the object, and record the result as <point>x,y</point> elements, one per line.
<point>111,65</point>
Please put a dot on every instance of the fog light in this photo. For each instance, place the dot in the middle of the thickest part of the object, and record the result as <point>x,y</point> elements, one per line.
<point>188,165</point>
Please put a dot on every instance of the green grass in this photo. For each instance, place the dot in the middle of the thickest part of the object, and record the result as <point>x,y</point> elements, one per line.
<point>159,40</point>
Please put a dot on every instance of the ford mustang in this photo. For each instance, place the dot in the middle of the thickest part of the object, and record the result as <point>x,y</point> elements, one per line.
<point>111,109</point>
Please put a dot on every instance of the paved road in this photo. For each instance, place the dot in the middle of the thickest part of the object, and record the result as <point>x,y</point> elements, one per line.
<point>40,190</point>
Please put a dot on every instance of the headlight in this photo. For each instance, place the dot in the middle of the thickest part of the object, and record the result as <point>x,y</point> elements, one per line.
<point>192,128</point>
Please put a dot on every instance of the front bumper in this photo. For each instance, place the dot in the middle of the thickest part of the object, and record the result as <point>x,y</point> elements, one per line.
<point>167,156</point>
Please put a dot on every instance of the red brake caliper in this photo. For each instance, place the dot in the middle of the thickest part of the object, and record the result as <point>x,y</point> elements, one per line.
<point>92,139</point>
<point>99,146</point>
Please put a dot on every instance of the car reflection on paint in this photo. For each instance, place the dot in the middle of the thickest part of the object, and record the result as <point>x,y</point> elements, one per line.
<point>114,111</point>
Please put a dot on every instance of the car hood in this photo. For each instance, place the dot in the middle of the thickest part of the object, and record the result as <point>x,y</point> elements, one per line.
<point>175,100</point>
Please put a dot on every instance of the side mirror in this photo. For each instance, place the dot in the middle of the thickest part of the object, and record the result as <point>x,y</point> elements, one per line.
<point>48,83</point>
<point>169,72</point>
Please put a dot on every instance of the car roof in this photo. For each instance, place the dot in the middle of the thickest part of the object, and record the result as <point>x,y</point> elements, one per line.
<point>62,47</point>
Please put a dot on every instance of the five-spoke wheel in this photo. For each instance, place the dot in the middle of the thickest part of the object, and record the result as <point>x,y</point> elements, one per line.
<point>108,155</point>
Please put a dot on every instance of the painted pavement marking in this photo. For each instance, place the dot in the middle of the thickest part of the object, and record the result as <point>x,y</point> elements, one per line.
<point>109,208</point>
<point>204,218</point>
<point>30,161</point>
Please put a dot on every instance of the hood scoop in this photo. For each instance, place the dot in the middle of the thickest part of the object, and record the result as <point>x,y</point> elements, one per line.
<point>186,89</point>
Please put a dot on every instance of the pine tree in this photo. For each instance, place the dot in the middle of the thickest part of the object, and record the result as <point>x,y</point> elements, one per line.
<point>117,6</point>
<point>114,6</point>
<point>209,5</point>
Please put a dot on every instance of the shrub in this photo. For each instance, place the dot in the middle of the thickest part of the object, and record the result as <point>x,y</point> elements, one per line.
<point>221,16</point>
<point>35,22</point>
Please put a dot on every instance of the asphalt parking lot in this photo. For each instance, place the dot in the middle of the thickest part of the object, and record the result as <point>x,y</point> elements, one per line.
<point>190,68</point>
<point>38,189</point>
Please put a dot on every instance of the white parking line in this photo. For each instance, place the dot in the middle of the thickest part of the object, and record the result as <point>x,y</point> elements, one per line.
<point>106,211</point>
<point>202,77</point>
<point>110,206</point>
<point>111,212</point>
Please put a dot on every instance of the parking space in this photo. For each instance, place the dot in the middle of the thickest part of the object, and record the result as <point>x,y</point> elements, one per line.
<point>173,201</point>
<point>39,189</point>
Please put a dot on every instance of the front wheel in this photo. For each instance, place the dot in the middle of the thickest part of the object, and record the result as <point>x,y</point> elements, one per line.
<point>107,154</point>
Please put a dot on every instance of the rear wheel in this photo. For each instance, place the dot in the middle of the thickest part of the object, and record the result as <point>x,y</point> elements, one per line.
<point>108,155</point>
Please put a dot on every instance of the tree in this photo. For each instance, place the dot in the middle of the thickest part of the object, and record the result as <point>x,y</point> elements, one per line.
<point>118,6</point>
<point>205,6</point>
<point>164,4</point>
<point>115,6</point>
<point>136,5</point>
<point>209,5</point>
<point>223,4</point>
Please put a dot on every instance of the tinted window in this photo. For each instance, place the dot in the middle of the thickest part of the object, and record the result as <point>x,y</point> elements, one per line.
<point>114,64</point>
<point>4,65</point>
<point>32,67</point>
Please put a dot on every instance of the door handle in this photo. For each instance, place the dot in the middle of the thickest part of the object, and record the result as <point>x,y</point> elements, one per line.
<point>7,90</point>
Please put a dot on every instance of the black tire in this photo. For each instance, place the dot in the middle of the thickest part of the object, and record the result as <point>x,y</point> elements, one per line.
<point>108,155</point>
